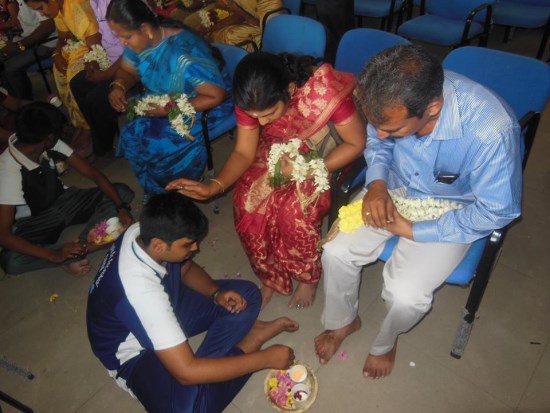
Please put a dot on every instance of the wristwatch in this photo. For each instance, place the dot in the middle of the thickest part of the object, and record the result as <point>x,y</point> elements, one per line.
<point>21,46</point>
<point>124,205</point>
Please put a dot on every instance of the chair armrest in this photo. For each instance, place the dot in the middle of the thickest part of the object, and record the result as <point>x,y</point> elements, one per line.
<point>341,186</point>
<point>529,124</point>
<point>470,18</point>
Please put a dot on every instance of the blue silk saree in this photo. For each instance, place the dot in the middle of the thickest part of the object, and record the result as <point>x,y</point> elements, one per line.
<point>157,153</point>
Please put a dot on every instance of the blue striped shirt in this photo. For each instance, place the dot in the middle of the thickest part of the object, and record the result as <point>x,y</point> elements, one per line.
<point>476,137</point>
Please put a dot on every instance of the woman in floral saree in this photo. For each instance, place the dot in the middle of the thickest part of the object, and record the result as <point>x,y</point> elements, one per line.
<point>166,59</point>
<point>278,98</point>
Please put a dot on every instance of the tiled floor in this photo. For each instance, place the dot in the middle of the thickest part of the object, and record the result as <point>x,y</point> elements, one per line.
<point>506,366</point>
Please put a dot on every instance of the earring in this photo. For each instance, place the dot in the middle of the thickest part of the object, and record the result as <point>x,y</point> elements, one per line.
<point>150,35</point>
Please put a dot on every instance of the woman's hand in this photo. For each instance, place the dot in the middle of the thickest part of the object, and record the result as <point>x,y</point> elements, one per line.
<point>192,189</point>
<point>156,112</point>
<point>287,165</point>
<point>117,99</point>
<point>60,62</point>
<point>232,301</point>
<point>94,73</point>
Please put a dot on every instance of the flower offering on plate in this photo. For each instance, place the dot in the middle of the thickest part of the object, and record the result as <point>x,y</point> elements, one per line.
<point>105,231</point>
<point>292,390</point>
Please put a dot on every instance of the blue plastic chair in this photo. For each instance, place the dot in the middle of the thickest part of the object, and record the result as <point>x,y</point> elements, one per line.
<point>293,5</point>
<point>294,34</point>
<point>451,23</point>
<point>527,14</point>
<point>384,10</point>
<point>524,83</point>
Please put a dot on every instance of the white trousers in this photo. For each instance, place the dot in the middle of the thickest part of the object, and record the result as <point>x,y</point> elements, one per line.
<point>412,274</point>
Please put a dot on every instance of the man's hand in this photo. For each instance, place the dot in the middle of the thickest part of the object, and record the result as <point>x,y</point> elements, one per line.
<point>10,49</point>
<point>401,226</point>
<point>279,356</point>
<point>378,207</point>
<point>232,301</point>
<point>126,219</point>
<point>70,250</point>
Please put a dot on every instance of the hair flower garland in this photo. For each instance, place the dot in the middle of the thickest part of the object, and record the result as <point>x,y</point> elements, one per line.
<point>98,54</point>
<point>306,165</point>
<point>72,44</point>
<point>210,17</point>
<point>414,209</point>
<point>180,112</point>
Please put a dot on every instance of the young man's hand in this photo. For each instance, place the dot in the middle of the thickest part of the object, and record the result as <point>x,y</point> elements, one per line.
<point>232,301</point>
<point>70,250</point>
<point>279,356</point>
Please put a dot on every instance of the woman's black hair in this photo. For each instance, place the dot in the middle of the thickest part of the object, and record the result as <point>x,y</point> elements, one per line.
<point>36,121</point>
<point>131,14</point>
<point>261,79</point>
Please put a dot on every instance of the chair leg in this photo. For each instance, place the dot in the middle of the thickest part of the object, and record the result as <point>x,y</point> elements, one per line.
<point>483,273</point>
<point>544,40</point>
<point>14,403</point>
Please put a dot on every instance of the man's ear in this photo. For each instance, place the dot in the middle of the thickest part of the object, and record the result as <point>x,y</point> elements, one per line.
<point>435,106</point>
<point>158,246</point>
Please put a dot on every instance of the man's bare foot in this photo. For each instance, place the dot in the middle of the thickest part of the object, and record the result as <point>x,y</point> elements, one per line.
<point>329,341</point>
<point>303,296</point>
<point>378,367</point>
<point>267,293</point>
<point>80,267</point>
<point>263,331</point>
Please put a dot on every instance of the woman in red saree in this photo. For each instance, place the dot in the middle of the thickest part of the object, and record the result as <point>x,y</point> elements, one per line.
<point>278,98</point>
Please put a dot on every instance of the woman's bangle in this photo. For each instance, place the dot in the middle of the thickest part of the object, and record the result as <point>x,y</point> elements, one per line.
<point>215,294</point>
<point>117,83</point>
<point>220,183</point>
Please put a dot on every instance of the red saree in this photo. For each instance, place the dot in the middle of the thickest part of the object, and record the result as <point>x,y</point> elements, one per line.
<point>279,238</point>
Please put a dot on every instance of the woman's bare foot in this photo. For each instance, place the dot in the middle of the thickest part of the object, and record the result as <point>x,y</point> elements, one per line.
<point>328,342</point>
<point>263,331</point>
<point>378,367</point>
<point>303,296</point>
<point>80,267</point>
<point>267,293</point>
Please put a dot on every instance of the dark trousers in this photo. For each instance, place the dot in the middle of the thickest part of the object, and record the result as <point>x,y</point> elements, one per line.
<point>74,206</point>
<point>159,392</point>
<point>14,76</point>
<point>337,17</point>
<point>92,100</point>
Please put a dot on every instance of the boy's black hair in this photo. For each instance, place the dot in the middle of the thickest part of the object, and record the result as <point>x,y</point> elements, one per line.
<point>171,216</point>
<point>38,120</point>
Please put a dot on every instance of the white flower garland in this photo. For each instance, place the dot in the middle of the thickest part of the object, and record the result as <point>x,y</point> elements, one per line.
<point>181,112</point>
<point>71,45</point>
<point>205,19</point>
<point>98,54</point>
<point>414,209</point>
<point>3,40</point>
<point>302,166</point>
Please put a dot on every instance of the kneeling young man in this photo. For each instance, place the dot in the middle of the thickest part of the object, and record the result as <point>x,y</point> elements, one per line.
<point>149,297</point>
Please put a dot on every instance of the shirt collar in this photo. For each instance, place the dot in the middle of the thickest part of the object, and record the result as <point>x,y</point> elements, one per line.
<point>448,125</point>
<point>18,155</point>
<point>133,233</point>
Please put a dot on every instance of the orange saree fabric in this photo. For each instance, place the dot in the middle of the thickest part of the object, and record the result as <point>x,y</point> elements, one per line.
<point>279,238</point>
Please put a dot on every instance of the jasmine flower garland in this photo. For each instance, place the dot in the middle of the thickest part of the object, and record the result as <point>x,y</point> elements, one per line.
<point>72,44</point>
<point>211,17</point>
<point>414,209</point>
<point>180,112</point>
<point>98,54</point>
<point>305,161</point>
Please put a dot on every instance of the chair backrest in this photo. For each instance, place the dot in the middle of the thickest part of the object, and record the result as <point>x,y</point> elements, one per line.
<point>456,9</point>
<point>357,46</point>
<point>523,82</point>
<point>294,34</point>
<point>293,5</point>
<point>232,55</point>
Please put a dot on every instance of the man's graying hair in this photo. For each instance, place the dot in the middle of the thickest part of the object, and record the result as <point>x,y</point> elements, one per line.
<point>401,75</point>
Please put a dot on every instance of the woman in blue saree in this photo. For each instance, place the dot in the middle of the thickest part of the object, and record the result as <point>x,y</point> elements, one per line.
<point>166,58</point>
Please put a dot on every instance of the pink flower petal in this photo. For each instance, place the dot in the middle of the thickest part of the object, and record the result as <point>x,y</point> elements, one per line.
<point>343,355</point>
